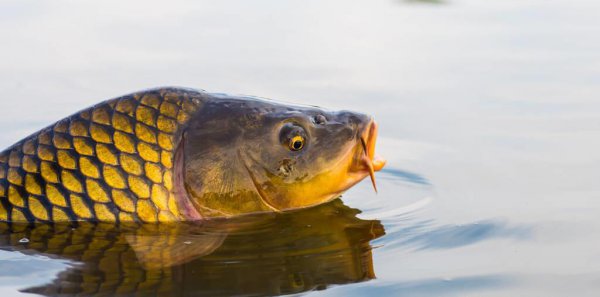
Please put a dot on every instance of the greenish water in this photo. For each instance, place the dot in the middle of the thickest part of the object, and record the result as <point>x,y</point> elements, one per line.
<point>488,112</point>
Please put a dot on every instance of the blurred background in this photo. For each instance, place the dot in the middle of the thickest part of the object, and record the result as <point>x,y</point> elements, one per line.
<point>489,114</point>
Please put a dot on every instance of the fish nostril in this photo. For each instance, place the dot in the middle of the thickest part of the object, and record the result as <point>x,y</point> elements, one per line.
<point>320,119</point>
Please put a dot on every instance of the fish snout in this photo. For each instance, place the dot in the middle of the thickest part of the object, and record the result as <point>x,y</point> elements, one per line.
<point>354,120</point>
<point>365,130</point>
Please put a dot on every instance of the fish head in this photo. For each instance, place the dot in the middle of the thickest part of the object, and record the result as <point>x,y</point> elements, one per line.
<point>244,155</point>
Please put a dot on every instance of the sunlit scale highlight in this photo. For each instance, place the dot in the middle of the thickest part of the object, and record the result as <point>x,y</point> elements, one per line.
<point>109,163</point>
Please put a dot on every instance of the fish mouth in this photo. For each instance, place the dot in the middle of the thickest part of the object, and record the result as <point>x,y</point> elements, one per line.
<point>368,160</point>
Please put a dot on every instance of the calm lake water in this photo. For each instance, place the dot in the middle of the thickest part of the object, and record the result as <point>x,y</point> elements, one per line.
<point>489,116</point>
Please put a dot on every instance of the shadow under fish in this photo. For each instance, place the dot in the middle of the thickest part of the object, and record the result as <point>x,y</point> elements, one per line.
<point>264,254</point>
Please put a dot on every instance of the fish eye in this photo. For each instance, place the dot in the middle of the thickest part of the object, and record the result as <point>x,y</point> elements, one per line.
<point>293,137</point>
<point>296,143</point>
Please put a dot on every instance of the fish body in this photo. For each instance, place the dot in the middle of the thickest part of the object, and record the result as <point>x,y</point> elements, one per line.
<point>174,154</point>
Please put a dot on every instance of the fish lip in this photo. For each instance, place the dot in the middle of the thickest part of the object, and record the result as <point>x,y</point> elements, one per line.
<point>368,139</point>
<point>370,134</point>
<point>366,162</point>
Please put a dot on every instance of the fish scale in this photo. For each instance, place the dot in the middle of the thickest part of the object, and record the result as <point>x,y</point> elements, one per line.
<point>112,162</point>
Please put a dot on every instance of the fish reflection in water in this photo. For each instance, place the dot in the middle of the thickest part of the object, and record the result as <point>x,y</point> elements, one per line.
<point>270,254</point>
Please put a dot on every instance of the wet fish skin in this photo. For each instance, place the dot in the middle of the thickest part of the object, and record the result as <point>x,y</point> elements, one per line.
<point>112,162</point>
<point>174,154</point>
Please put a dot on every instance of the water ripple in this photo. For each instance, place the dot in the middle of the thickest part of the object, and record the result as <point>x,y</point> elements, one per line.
<point>407,176</point>
<point>422,235</point>
<point>427,287</point>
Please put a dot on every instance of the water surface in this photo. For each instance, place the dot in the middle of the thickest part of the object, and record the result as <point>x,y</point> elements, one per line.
<point>489,116</point>
<point>255,255</point>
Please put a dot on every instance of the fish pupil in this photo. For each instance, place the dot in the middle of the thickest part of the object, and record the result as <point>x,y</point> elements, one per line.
<point>297,144</point>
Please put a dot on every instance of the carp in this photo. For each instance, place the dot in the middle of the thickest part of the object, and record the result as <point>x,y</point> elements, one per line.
<point>177,154</point>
